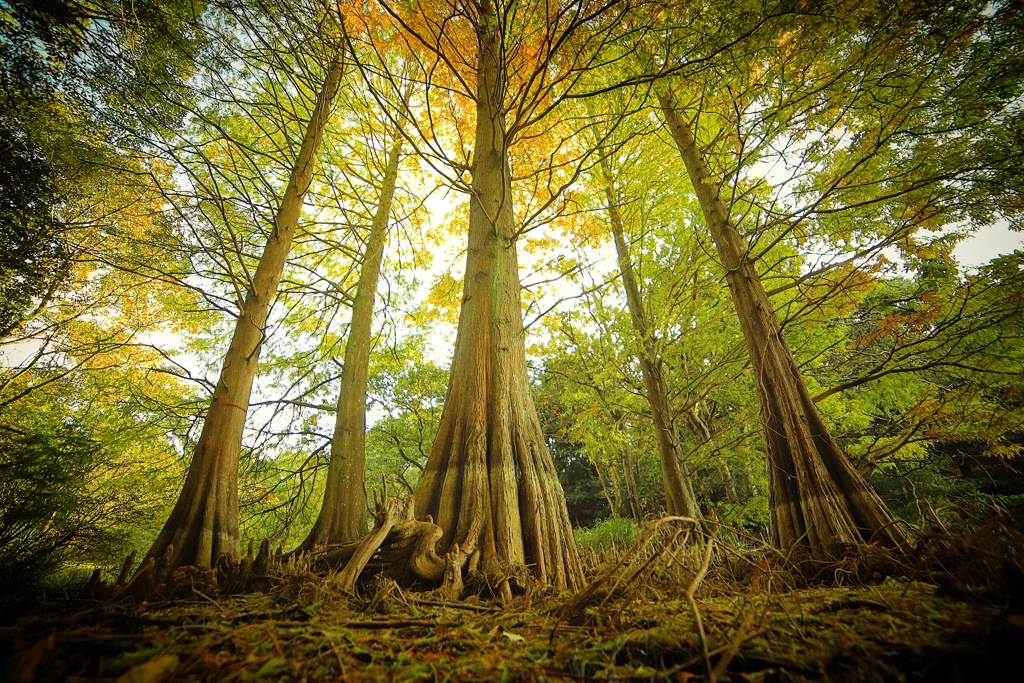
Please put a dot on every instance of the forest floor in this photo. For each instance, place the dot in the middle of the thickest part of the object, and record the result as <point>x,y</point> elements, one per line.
<point>899,630</point>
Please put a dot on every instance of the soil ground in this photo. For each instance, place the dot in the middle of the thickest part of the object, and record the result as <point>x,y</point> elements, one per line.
<point>890,631</point>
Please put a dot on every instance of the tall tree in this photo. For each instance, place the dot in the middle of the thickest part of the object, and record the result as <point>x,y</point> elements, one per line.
<point>679,496</point>
<point>342,516</point>
<point>866,172</point>
<point>204,522</point>
<point>818,498</point>
<point>489,481</point>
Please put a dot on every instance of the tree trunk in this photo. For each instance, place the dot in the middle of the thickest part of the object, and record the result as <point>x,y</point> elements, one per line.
<point>818,499</point>
<point>204,522</point>
<point>490,482</point>
<point>342,516</point>
<point>679,497</point>
<point>701,421</point>
<point>731,495</point>
<point>609,486</point>
<point>636,510</point>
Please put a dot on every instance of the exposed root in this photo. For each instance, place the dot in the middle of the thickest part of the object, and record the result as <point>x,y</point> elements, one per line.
<point>627,574</point>
<point>365,549</point>
<point>451,585</point>
<point>399,546</point>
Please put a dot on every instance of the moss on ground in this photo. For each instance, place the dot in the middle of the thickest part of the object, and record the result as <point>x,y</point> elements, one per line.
<point>900,631</point>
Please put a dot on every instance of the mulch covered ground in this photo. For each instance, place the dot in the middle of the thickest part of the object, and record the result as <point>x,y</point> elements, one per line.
<point>895,630</point>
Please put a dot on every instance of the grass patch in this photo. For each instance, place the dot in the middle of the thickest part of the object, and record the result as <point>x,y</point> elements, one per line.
<point>613,531</point>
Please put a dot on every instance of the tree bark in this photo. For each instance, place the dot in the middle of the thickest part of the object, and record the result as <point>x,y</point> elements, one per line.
<point>342,515</point>
<point>204,522</point>
<point>609,486</point>
<point>818,498</point>
<point>629,476</point>
<point>731,495</point>
<point>679,496</point>
<point>490,482</point>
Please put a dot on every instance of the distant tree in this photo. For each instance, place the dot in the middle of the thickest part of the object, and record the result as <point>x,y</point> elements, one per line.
<point>409,390</point>
<point>679,495</point>
<point>51,509</point>
<point>67,70</point>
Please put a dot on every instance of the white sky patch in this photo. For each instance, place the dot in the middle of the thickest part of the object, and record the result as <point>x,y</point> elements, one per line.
<point>987,243</point>
<point>16,355</point>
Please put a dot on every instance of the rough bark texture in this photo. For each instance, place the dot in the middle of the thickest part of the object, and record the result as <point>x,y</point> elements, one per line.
<point>342,516</point>
<point>679,496</point>
<point>818,498</point>
<point>204,522</point>
<point>489,481</point>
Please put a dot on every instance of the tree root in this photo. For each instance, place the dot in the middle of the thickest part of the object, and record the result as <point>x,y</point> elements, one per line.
<point>624,574</point>
<point>398,546</point>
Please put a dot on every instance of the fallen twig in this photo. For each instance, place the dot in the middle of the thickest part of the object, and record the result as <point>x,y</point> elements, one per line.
<point>690,591</point>
<point>454,605</point>
<point>386,623</point>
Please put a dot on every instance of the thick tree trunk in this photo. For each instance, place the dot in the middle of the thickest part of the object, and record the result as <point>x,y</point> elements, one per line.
<point>679,496</point>
<point>489,481</point>
<point>204,522</point>
<point>818,499</point>
<point>342,516</point>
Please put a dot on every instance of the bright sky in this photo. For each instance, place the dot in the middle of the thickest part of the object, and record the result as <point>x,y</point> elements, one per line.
<point>987,243</point>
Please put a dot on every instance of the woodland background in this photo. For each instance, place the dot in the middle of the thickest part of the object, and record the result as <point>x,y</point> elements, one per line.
<point>146,147</point>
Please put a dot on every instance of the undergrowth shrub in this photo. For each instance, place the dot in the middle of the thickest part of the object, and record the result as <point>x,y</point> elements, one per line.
<point>49,513</point>
<point>911,488</point>
<point>615,530</point>
<point>751,516</point>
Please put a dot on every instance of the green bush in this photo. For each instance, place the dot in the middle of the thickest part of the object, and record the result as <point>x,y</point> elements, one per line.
<point>48,511</point>
<point>955,491</point>
<point>616,530</point>
<point>751,516</point>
